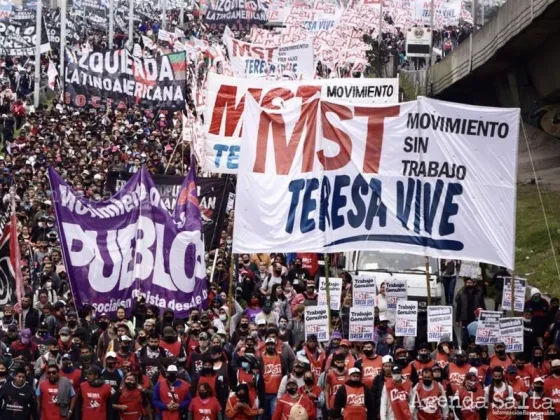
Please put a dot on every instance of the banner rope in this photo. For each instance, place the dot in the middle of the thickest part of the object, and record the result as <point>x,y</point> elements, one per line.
<point>541,199</point>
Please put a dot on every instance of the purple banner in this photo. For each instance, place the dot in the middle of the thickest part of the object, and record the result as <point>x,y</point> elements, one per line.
<point>130,244</point>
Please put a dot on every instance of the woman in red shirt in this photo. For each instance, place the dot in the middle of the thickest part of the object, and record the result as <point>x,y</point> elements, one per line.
<point>131,401</point>
<point>205,406</point>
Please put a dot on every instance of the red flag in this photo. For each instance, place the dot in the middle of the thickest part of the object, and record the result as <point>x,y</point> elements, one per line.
<point>15,256</point>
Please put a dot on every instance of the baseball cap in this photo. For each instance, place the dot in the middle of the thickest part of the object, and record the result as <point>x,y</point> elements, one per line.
<point>291,379</point>
<point>555,362</point>
<point>202,336</point>
<point>336,335</point>
<point>383,317</point>
<point>539,379</point>
<point>345,342</point>
<point>270,340</point>
<point>168,332</point>
<point>111,354</point>
<point>261,321</point>
<point>64,331</point>
<point>172,368</point>
<point>511,369</point>
<point>66,357</point>
<point>396,369</point>
<point>312,337</point>
<point>387,359</point>
<point>354,370</point>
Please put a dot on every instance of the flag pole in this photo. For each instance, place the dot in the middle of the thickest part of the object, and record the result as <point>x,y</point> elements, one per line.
<point>327,289</point>
<point>38,33</point>
<point>164,17</point>
<point>131,22</point>
<point>182,15</point>
<point>111,23</point>
<point>429,289</point>
<point>62,42</point>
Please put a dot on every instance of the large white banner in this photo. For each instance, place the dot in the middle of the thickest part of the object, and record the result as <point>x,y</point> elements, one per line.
<point>317,322</point>
<point>335,292</point>
<point>511,333</point>
<point>406,318</point>
<point>259,61</point>
<point>361,324</point>
<point>225,104</point>
<point>364,290</point>
<point>440,322</point>
<point>425,177</point>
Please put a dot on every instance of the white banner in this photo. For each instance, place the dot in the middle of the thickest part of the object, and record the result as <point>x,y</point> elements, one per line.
<point>258,61</point>
<point>519,294</point>
<point>406,319</point>
<point>225,104</point>
<point>488,327</point>
<point>410,178</point>
<point>335,292</point>
<point>448,13</point>
<point>440,322</point>
<point>511,333</point>
<point>361,324</point>
<point>317,322</point>
<point>470,269</point>
<point>395,290</point>
<point>363,290</point>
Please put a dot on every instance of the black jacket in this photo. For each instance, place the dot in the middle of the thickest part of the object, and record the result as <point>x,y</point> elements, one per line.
<point>31,320</point>
<point>467,302</point>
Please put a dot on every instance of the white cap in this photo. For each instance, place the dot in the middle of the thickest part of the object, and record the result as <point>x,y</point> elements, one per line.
<point>111,354</point>
<point>221,331</point>
<point>353,370</point>
<point>539,379</point>
<point>473,370</point>
<point>172,368</point>
<point>270,340</point>
<point>126,338</point>
<point>535,291</point>
<point>383,317</point>
<point>261,321</point>
<point>387,359</point>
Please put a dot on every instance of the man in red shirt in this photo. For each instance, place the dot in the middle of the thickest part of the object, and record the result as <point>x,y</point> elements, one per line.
<point>370,364</point>
<point>55,397</point>
<point>289,399</point>
<point>94,395</point>
<point>552,385</point>
<point>69,372</point>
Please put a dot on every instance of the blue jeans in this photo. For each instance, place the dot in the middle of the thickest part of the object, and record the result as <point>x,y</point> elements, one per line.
<point>449,283</point>
<point>269,406</point>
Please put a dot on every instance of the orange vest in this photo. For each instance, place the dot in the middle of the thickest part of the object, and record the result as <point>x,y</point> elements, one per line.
<point>210,380</point>
<point>494,361</point>
<point>133,401</point>
<point>420,366</point>
<point>457,375</point>
<point>442,359</point>
<point>247,378</point>
<point>179,394</point>
<point>499,408</point>
<point>527,375</point>
<point>355,407</point>
<point>471,402</point>
<point>335,381</point>
<point>428,402</point>
<point>370,369</point>
<point>406,372</point>
<point>316,363</point>
<point>272,374</point>
<point>398,395</point>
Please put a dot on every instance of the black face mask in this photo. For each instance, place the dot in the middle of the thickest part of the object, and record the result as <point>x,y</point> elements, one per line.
<point>207,370</point>
<point>72,323</point>
<point>7,319</point>
<point>202,395</point>
<point>291,391</point>
<point>54,352</point>
<point>195,332</point>
<point>476,362</point>
<point>171,377</point>
<point>103,325</point>
<point>86,358</point>
<point>500,352</point>
<point>427,382</point>
<point>3,374</point>
<point>368,353</point>
<point>111,365</point>
<point>142,340</point>
<point>154,348</point>
<point>242,397</point>
<point>460,362</point>
<point>538,359</point>
<point>168,318</point>
<point>354,383</point>
<point>243,326</point>
<point>424,357</point>
<point>498,382</point>
<point>130,385</point>
<point>539,389</point>
<point>169,339</point>
<point>125,347</point>
<point>556,372</point>
<point>308,381</point>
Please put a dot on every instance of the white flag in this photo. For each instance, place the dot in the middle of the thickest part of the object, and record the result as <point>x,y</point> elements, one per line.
<point>148,43</point>
<point>52,74</point>
<point>164,35</point>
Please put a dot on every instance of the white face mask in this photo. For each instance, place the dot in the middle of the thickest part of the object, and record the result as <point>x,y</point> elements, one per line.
<point>223,318</point>
<point>397,377</point>
<point>48,285</point>
<point>64,338</point>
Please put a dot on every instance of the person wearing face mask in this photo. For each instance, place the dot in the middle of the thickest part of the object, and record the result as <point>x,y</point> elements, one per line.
<point>469,401</point>
<point>292,398</point>
<point>205,406</point>
<point>105,335</point>
<point>500,357</point>
<point>64,340</point>
<point>551,354</point>
<point>24,348</point>
<point>208,376</point>
<point>423,360</point>
<point>468,299</point>
<point>537,401</point>
<point>151,356</point>
<point>455,371</point>
<point>475,360</point>
<point>125,353</point>
<point>52,356</point>
<point>379,381</point>
<point>298,274</point>
<point>314,353</point>
<point>192,337</point>
<point>173,345</point>
<point>335,378</point>
<point>241,331</point>
<point>250,375</point>
<point>537,362</point>
<point>525,372</point>
<point>395,397</point>
<point>312,390</point>
<point>111,374</point>
<point>240,405</point>
<point>194,360</point>
<point>69,372</point>
<point>57,320</point>
<point>354,399</point>
<point>284,333</point>
<point>166,321</point>
<point>267,314</point>
<point>4,373</point>
<point>308,297</point>
<point>131,402</point>
<point>273,368</point>
<point>539,308</point>
<point>171,396</point>
<point>72,321</point>
<point>517,385</point>
<point>94,396</point>
<point>55,397</point>
<point>17,399</point>
<point>141,339</point>
<point>444,351</point>
<point>297,373</point>
<point>281,305</point>
<point>499,396</point>
<point>552,385</point>
<point>428,400</point>
<point>402,360</point>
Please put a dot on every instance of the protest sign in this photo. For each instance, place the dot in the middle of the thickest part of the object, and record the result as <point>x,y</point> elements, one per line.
<point>361,324</point>
<point>488,327</point>
<point>395,290</point>
<point>213,195</point>
<point>257,61</point>
<point>225,105</point>
<point>406,318</point>
<point>469,269</point>
<point>119,79</point>
<point>440,322</point>
<point>335,292</point>
<point>511,334</point>
<point>519,294</point>
<point>237,14</point>
<point>18,36</point>
<point>363,290</point>
<point>5,9</point>
<point>448,12</point>
<point>405,178</point>
<point>130,245</point>
<point>317,322</point>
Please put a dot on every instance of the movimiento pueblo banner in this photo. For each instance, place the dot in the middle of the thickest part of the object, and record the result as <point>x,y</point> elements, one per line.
<point>225,103</point>
<point>425,177</point>
<point>130,245</point>
<point>119,79</point>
